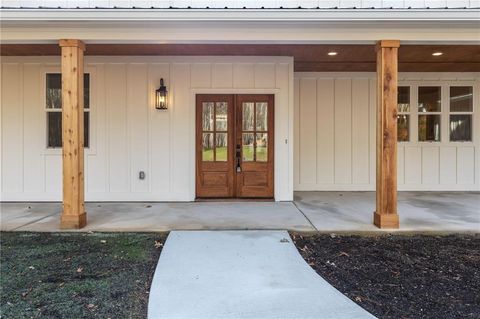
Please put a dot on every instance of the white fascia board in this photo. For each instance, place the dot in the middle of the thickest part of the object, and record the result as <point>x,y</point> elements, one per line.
<point>296,15</point>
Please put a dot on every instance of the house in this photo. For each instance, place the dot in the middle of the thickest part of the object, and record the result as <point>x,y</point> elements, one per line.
<point>178,100</point>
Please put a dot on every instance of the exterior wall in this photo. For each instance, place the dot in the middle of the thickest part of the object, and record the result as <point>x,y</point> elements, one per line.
<point>127,134</point>
<point>335,136</point>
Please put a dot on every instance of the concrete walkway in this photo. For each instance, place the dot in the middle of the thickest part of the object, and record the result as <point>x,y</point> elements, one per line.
<point>311,211</point>
<point>241,274</point>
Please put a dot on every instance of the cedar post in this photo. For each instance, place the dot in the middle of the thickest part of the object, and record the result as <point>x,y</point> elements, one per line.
<point>73,215</point>
<point>386,215</point>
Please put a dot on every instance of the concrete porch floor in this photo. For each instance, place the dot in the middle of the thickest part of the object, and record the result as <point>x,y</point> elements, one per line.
<point>311,211</point>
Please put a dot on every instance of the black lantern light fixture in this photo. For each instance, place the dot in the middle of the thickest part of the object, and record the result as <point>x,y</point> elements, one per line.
<point>161,101</point>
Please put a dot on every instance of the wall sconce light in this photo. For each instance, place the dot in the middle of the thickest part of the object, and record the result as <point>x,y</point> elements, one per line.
<point>161,100</point>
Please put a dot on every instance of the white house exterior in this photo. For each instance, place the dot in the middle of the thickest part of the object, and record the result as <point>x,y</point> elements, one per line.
<point>324,120</point>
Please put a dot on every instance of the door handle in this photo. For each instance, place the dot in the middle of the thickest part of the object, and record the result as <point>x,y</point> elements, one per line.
<point>238,156</point>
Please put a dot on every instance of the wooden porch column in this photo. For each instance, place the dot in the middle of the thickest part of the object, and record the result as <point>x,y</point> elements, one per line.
<point>73,215</point>
<point>386,215</point>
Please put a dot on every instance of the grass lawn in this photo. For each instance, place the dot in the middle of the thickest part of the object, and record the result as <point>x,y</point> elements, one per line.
<point>77,275</point>
<point>400,276</point>
<point>247,153</point>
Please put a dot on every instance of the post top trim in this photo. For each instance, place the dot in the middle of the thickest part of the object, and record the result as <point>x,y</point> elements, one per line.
<point>388,44</point>
<point>72,43</point>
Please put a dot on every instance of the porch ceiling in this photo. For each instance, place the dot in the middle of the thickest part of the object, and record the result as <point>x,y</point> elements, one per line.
<point>307,57</point>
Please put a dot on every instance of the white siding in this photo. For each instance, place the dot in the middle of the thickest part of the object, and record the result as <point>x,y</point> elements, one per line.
<point>127,134</point>
<point>335,132</point>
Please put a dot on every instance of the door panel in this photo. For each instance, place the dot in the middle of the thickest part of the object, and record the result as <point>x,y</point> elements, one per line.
<point>234,145</point>
<point>214,146</point>
<point>254,137</point>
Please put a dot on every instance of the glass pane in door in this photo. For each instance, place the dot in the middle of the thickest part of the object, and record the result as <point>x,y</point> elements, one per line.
<point>247,147</point>
<point>262,147</point>
<point>207,147</point>
<point>221,150</point>
<point>207,116</point>
<point>221,116</point>
<point>247,116</point>
<point>261,116</point>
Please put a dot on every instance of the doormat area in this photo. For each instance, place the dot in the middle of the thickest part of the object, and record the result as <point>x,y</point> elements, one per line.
<point>77,275</point>
<point>400,276</point>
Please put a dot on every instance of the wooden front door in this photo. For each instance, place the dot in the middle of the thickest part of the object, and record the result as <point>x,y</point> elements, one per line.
<point>234,145</point>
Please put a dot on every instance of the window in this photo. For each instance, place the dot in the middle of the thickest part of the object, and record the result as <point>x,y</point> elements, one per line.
<point>403,117</point>
<point>461,113</point>
<point>429,113</point>
<point>54,109</point>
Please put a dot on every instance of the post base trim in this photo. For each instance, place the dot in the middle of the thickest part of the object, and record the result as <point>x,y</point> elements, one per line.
<point>73,221</point>
<point>386,220</point>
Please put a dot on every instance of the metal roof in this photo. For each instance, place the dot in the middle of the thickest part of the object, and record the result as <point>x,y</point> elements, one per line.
<point>246,4</point>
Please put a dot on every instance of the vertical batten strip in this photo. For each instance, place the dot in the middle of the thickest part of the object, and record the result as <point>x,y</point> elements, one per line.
<point>73,215</point>
<point>386,215</point>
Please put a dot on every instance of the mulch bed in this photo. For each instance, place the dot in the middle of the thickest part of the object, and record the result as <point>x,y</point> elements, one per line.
<point>400,276</point>
<point>77,275</point>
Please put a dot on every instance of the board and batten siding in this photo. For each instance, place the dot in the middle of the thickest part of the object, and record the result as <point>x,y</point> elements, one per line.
<point>127,133</point>
<point>334,133</point>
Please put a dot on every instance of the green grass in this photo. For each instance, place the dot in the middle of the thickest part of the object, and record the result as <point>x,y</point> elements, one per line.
<point>76,275</point>
<point>247,153</point>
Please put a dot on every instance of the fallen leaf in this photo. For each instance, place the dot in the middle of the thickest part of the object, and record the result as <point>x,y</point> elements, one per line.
<point>103,241</point>
<point>31,267</point>
<point>158,244</point>
<point>342,253</point>
<point>67,259</point>
<point>79,269</point>
<point>358,299</point>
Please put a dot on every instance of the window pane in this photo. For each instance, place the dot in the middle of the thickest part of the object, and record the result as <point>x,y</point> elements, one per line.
<point>86,90</point>
<point>247,146</point>
<point>461,99</point>
<point>247,116</point>
<point>429,98</point>
<point>262,147</point>
<point>86,129</point>
<point>403,128</point>
<point>460,127</point>
<point>207,147</point>
<point>54,91</point>
<point>429,128</point>
<point>207,116</point>
<point>221,116</point>
<point>54,129</point>
<point>221,149</point>
<point>403,99</point>
<point>261,114</point>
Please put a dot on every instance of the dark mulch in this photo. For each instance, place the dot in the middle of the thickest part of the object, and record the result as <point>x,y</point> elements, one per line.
<point>400,276</point>
<point>77,275</point>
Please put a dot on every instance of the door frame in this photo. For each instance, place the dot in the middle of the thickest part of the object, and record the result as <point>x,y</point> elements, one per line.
<point>193,133</point>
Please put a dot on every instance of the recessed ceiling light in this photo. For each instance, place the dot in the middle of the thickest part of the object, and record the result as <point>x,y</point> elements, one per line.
<point>437,53</point>
<point>332,53</point>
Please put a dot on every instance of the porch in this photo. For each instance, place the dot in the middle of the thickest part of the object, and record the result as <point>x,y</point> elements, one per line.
<point>309,212</point>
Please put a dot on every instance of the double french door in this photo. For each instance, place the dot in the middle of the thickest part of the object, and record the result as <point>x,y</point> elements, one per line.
<point>234,145</point>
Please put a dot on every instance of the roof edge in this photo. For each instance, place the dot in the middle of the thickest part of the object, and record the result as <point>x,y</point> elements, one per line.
<point>279,15</point>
